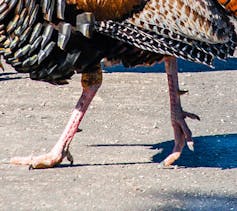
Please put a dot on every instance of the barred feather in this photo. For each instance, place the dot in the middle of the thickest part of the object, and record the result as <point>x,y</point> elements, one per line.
<point>197,31</point>
<point>134,36</point>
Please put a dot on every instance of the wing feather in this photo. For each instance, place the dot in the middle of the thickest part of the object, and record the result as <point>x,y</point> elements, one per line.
<point>202,20</point>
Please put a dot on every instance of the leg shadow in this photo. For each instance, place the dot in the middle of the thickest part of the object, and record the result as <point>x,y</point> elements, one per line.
<point>218,151</point>
<point>7,76</point>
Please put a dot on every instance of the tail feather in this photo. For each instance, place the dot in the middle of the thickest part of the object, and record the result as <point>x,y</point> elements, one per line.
<point>174,44</point>
<point>154,43</point>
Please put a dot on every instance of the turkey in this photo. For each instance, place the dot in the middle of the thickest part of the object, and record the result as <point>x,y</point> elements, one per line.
<point>53,39</point>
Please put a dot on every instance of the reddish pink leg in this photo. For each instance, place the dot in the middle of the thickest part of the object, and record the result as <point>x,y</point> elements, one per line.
<point>181,131</point>
<point>91,83</point>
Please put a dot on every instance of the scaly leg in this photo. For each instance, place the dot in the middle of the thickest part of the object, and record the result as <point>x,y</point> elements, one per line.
<point>90,83</point>
<point>181,131</point>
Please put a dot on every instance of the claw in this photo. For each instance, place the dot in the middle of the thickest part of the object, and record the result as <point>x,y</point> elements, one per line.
<point>191,115</point>
<point>190,145</point>
<point>161,165</point>
<point>69,157</point>
<point>79,130</point>
<point>30,167</point>
<point>4,161</point>
<point>182,92</point>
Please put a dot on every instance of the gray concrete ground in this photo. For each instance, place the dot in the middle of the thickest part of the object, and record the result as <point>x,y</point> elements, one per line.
<point>126,132</point>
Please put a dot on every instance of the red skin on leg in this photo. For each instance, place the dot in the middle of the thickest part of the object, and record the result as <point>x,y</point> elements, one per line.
<point>91,83</point>
<point>182,132</point>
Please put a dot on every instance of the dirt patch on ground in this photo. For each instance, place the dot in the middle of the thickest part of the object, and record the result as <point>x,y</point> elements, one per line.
<point>125,133</point>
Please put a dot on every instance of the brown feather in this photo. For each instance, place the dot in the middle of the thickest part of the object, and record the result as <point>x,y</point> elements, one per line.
<point>230,5</point>
<point>107,9</point>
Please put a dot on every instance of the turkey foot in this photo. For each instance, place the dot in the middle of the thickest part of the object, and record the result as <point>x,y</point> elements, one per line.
<point>182,132</point>
<point>90,83</point>
<point>48,160</point>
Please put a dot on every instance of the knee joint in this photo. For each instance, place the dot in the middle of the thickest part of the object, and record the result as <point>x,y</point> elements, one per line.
<point>90,79</point>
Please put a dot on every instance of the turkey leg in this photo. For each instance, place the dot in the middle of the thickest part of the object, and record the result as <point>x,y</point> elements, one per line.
<point>90,83</point>
<point>181,131</point>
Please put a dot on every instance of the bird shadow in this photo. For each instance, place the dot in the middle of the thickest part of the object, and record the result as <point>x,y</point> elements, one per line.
<point>217,151</point>
<point>7,76</point>
<point>184,66</point>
